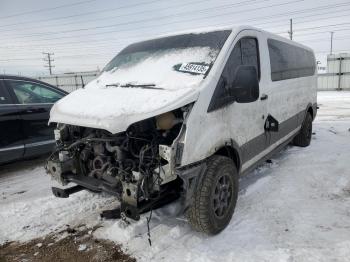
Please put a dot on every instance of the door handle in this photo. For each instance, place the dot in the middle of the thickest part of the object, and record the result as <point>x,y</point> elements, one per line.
<point>264,97</point>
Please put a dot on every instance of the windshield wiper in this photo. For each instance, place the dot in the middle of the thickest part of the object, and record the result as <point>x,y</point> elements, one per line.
<point>145,86</point>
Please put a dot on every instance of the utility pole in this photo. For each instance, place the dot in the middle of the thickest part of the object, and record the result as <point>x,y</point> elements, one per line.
<point>49,61</point>
<point>332,42</point>
<point>290,32</point>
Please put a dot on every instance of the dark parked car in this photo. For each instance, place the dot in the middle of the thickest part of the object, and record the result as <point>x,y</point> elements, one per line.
<point>25,105</point>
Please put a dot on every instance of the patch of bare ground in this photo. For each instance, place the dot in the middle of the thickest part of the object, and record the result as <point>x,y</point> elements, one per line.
<point>76,245</point>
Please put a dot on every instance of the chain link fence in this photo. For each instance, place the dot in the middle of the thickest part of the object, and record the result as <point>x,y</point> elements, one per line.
<point>70,81</point>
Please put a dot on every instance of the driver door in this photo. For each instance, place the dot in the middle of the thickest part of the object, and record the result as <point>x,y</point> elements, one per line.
<point>35,101</point>
<point>248,119</point>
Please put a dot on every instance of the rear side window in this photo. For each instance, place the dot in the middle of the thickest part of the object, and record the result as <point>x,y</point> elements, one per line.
<point>289,61</point>
<point>33,93</point>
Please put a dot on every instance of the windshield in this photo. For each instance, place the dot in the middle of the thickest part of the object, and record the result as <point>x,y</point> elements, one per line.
<point>170,63</point>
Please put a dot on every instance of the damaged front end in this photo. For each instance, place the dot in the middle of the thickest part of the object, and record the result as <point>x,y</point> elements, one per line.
<point>138,165</point>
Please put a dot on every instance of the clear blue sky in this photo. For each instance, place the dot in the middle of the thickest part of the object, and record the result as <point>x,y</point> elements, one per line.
<point>86,34</point>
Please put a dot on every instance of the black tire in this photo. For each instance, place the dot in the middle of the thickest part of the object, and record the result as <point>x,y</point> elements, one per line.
<point>303,139</point>
<point>216,196</point>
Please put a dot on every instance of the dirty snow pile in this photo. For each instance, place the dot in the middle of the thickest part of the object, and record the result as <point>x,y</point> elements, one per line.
<point>296,208</point>
<point>28,208</point>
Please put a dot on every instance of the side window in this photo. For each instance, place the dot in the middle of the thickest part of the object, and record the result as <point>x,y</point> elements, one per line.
<point>4,96</point>
<point>250,53</point>
<point>33,93</point>
<point>245,52</point>
<point>233,62</point>
<point>289,61</point>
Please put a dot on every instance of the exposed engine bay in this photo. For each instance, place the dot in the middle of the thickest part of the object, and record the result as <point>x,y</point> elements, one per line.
<point>137,165</point>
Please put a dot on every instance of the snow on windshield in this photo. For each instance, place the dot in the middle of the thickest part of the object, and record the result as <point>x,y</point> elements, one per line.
<point>170,63</point>
<point>158,69</point>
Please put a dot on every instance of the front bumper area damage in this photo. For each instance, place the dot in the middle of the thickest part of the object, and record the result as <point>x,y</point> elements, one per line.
<point>137,166</point>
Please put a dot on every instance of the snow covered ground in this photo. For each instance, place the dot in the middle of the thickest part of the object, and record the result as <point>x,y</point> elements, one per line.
<point>296,208</point>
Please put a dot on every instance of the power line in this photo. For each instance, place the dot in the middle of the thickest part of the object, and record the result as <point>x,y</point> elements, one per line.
<point>156,18</point>
<point>323,39</point>
<point>200,18</point>
<point>106,18</point>
<point>283,32</point>
<point>47,59</point>
<point>266,17</point>
<point>310,20</point>
<point>96,41</point>
<point>47,9</point>
<point>82,14</point>
<point>190,3</point>
<point>329,6</point>
<point>102,46</point>
<point>159,18</point>
<point>97,54</point>
<point>318,27</point>
<point>322,32</point>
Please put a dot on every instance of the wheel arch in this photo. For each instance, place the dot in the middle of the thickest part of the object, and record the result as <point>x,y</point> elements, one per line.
<point>232,151</point>
<point>192,175</point>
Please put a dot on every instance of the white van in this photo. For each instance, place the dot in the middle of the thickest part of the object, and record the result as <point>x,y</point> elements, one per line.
<point>182,116</point>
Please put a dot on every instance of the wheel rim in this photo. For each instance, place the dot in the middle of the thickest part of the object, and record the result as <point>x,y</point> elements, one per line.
<point>222,196</point>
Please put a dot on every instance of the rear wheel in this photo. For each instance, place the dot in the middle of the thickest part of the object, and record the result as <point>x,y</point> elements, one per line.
<point>303,139</point>
<point>216,196</point>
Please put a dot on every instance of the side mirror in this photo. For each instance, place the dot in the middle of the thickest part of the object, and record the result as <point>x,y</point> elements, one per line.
<point>245,86</point>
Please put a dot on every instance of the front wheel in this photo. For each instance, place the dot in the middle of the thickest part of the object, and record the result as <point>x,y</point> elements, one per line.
<point>303,139</point>
<point>216,196</point>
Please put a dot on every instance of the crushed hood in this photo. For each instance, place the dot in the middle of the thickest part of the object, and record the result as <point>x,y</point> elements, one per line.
<point>115,108</point>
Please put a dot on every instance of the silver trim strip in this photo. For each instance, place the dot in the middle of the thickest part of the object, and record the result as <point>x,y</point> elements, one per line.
<point>11,148</point>
<point>41,143</point>
<point>34,104</point>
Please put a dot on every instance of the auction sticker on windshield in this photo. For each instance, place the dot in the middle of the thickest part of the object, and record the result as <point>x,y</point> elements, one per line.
<point>193,68</point>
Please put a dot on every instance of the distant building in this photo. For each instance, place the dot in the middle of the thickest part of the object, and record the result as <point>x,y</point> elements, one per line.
<point>337,75</point>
